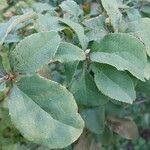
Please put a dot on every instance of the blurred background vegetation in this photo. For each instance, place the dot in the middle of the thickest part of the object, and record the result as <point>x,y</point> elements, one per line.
<point>11,139</point>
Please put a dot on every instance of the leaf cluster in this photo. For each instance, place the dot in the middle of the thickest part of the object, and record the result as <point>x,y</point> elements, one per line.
<point>69,68</point>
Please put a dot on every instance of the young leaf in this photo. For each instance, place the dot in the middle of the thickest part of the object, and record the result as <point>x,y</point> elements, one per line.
<point>140,28</point>
<point>113,83</point>
<point>78,29</point>
<point>71,8</point>
<point>45,112</point>
<point>34,51</point>
<point>68,52</point>
<point>90,95</point>
<point>123,51</point>
<point>94,119</point>
<point>112,9</point>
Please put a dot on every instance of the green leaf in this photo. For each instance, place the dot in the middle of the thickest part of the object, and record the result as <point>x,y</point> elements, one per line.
<point>70,69</point>
<point>140,28</point>
<point>6,28</point>
<point>47,23</point>
<point>96,28</point>
<point>95,23</point>
<point>147,70</point>
<point>13,38</point>
<point>78,29</point>
<point>71,7</point>
<point>113,83</point>
<point>2,70</point>
<point>34,51</point>
<point>86,93</point>
<point>95,35</point>
<point>112,9</point>
<point>94,119</point>
<point>45,112</point>
<point>68,52</point>
<point>113,109</point>
<point>2,86</point>
<point>145,9</point>
<point>42,7</point>
<point>133,14</point>
<point>107,136</point>
<point>123,51</point>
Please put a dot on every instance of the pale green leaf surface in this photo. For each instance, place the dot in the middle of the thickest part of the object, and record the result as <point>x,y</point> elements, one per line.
<point>13,38</point>
<point>95,35</point>
<point>52,97</point>
<point>2,86</point>
<point>113,83</point>
<point>47,23</point>
<point>45,115</point>
<point>41,7</point>
<point>96,28</point>
<point>112,9</point>
<point>71,7</point>
<point>6,28</point>
<point>94,119</point>
<point>70,69</point>
<point>86,93</point>
<point>141,28</point>
<point>123,51</point>
<point>68,52</point>
<point>34,51</point>
<point>134,14</point>
<point>78,29</point>
<point>147,70</point>
<point>95,23</point>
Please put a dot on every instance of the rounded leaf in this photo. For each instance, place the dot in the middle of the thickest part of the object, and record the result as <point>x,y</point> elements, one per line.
<point>45,112</point>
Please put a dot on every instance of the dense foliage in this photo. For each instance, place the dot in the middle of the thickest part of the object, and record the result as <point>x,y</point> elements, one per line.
<point>74,71</point>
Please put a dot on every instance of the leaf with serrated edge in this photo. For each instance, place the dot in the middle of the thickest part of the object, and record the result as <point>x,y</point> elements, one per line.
<point>71,7</point>
<point>34,51</point>
<point>113,83</point>
<point>90,95</point>
<point>123,51</point>
<point>68,52</point>
<point>141,29</point>
<point>45,112</point>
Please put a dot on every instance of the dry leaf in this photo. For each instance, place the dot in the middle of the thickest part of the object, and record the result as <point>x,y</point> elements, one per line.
<point>125,127</point>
